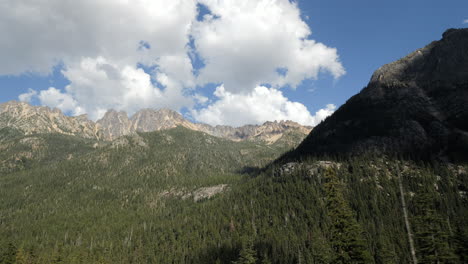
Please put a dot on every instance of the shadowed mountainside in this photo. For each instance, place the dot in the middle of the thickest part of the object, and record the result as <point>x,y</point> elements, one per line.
<point>416,106</point>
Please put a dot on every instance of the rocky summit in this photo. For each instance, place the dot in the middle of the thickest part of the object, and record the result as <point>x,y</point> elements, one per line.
<point>39,119</point>
<point>416,106</point>
<point>30,119</point>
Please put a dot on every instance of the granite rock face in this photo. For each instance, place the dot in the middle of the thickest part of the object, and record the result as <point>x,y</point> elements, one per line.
<point>115,124</point>
<point>416,106</point>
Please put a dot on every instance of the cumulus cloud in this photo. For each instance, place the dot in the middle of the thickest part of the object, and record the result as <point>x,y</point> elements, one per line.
<point>44,32</point>
<point>465,21</point>
<point>129,55</point>
<point>122,88</point>
<point>260,105</point>
<point>101,53</point>
<point>27,97</point>
<point>53,97</point>
<point>246,43</point>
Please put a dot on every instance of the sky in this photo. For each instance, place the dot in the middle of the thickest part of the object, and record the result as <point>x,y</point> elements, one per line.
<point>221,62</point>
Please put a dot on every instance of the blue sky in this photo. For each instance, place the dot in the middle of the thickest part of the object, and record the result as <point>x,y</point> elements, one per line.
<point>369,34</point>
<point>366,35</point>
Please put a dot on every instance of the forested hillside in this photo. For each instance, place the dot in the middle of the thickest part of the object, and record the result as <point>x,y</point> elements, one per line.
<point>61,185</point>
<point>383,180</point>
<point>309,212</point>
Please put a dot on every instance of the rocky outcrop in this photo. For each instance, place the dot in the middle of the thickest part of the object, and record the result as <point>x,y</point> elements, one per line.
<point>208,192</point>
<point>268,132</point>
<point>115,124</point>
<point>197,195</point>
<point>416,106</point>
<point>313,169</point>
<point>37,119</point>
<point>148,120</point>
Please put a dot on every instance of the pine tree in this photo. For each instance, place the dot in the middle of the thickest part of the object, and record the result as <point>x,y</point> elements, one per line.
<point>22,256</point>
<point>431,238</point>
<point>56,255</point>
<point>266,259</point>
<point>246,254</point>
<point>461,244</point>
<point>8,254</point>
<point>346,235</point>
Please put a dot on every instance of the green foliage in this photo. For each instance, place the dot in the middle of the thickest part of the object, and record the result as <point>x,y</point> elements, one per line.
<point>345,233</point>
<point>8,253</point>
<point>124,202</point>
<point>430,230</point>
<point>246,254</point>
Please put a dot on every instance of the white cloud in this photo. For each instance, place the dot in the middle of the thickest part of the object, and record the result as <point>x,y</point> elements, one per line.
<point>260,105</point>
<point>44,32</point>
<point>465,21</point>
<point>102,44</point>
<point>245,42</point>
<point>100,53</point>
<point>27,97</point>
<point>121,87</point>
<point>202,100</point>
<point>53,97</point>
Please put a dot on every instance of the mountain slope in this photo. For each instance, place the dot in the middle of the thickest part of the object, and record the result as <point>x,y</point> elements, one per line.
<point>20,152</point>
<point>148,180</point>
<point>183,150</point>
<point>416,106</point>
<point>176,195</point>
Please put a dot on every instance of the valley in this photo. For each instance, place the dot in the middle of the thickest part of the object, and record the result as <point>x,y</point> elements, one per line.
<point>382,180</point>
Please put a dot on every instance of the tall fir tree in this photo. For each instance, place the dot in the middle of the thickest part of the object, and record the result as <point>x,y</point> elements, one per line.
<point>247,253</point>
<point>431,237</point>
<point>346,235</point>
<point>8,255</point>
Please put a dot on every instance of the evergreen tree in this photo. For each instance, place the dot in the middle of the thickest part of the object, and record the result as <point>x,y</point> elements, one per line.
<point>346,235</point>
<point>247,253</point>
<point>266,259</point>
<point>461,244</point>
<point>22,256</point>
<point>8,254</point>
<point>431,238</point>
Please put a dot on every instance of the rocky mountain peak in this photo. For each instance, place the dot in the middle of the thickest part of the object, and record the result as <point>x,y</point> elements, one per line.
<point>147,120</point>
<point>114,124</point>
<point>40,119</point>
<point>283,124</point>
<point>443,61</point>
<point>417,106</point>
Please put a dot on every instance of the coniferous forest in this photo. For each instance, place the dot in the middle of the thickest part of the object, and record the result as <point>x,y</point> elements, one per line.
<point>142,200</point>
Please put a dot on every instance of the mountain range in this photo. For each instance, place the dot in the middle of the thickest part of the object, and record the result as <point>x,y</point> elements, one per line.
<point>40,119</point>
<point>157,188</point>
